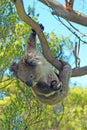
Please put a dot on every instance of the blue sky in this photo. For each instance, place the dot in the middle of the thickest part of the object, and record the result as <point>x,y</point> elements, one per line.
<point>51,24</point>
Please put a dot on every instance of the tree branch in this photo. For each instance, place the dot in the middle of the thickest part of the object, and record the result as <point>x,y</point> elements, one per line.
<point>27,19</point>
<point>22,14</point>
<point>62,11</point>
<point>79,71</point>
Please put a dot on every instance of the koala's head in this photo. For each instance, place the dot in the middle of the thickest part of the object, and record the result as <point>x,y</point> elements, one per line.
<point>26,71</point>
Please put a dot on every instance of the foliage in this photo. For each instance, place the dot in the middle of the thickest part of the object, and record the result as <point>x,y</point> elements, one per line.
<point>19,110</point>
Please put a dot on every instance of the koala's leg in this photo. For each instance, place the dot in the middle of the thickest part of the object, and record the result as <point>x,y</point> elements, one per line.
<point>31,43</point>
<point>65,75</point>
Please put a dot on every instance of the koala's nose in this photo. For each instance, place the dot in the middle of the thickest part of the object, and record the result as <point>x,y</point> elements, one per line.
<point>29,83</point>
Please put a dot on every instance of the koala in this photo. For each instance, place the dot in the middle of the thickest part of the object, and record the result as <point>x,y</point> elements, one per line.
<point>35,71</point>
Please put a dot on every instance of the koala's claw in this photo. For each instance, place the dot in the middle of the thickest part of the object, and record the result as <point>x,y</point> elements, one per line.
<point>55,85</point>
<point>42,28</point>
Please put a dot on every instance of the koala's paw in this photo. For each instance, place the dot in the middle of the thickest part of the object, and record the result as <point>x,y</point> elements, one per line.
<point>63,62</point>
<point>55,85</point>
<point>42,27</point>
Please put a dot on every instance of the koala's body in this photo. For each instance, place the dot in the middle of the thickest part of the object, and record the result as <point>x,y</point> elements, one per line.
<point>34,70</point>
<point>53,95</point>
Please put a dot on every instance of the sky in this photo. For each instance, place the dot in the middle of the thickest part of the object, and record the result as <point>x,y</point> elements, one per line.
<point>51,24</point>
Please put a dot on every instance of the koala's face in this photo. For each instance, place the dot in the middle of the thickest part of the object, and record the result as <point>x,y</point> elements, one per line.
<point>28,73</point>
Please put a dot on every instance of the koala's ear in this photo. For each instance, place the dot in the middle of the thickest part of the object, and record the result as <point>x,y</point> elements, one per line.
<point>14,68</point>
<point>32,62</point>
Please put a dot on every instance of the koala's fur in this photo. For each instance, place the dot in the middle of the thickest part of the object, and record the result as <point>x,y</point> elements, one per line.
<point>34,70</point>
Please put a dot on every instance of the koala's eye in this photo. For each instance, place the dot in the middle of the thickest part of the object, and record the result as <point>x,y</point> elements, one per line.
<point>31,76</point>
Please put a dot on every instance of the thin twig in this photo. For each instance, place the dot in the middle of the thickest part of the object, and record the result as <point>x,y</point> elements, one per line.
<point>83,35</point>
<point>71,31</point>
<point>7,84</point>
<point>5,80</point>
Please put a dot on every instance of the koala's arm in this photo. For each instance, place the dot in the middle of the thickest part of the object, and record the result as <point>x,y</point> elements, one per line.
<point>65,75</point>
<point>31,43</point>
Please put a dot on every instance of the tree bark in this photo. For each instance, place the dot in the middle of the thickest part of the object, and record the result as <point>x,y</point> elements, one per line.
<point>46,52</point>
<point>62,11</point>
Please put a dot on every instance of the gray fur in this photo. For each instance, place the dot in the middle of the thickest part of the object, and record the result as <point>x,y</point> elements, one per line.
<point>34,70</point>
